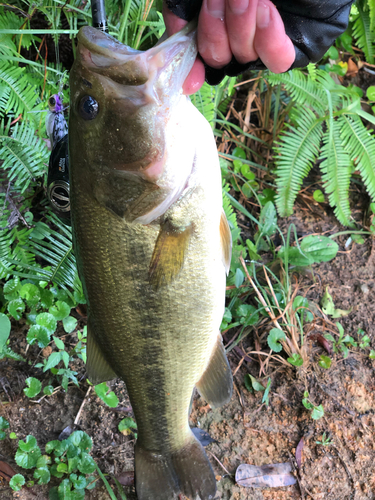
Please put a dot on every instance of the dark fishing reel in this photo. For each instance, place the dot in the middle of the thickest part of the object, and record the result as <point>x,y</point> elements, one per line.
<point>58,180</point>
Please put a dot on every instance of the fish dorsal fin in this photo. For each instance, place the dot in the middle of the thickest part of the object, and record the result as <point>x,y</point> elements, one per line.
<point>169,254</point>
<point>97,367</point>
<point>216,383</point>
<point>226,241</point>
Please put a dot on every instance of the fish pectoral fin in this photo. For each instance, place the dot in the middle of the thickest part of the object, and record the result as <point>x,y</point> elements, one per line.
<point>97,367</point>
<point>169,254</point>
<point>226,241</point>
<point>216,383</point>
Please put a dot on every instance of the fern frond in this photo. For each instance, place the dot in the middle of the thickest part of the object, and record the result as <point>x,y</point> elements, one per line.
<point>56,249</point>
<point>362,32</point>
<point>298,149</point>
<point>337,168</point>
<point>203,100</point>
<point>302,89</point>
<point>359,143</point>
<point>371,7</point>
<point>230,214</point>
<point>24,154</point>
<point>22,95</point>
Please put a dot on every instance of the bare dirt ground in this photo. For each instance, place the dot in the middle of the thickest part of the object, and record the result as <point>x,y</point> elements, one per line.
<point>245,430</point>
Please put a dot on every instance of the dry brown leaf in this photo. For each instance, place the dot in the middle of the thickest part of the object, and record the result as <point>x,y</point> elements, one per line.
<point>6,471</point>
<point>299,451</point>
<point>265,476</point>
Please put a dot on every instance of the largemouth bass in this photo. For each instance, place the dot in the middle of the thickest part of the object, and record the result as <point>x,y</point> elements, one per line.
<point>152,245</point>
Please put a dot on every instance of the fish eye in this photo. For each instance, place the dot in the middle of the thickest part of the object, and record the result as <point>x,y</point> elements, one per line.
<point>52,101</point>
<point>88,108</point>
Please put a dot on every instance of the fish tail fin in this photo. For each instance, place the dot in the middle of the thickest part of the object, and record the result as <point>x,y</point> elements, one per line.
<point>187,471</point>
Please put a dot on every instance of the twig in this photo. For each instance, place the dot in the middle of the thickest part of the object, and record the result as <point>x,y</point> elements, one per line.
<point>218,461</point>
<point>82,405</point>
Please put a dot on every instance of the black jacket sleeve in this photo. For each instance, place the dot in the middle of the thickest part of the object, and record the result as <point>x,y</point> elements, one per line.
<point>312,25</point>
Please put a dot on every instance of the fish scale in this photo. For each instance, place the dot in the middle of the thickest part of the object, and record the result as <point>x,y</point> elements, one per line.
<point>152,246</point>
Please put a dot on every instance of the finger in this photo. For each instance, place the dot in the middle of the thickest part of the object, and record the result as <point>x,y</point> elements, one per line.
<point>172,22</point>
<point>240,20</point>
<point>272,44</point>
<point>195,78</point>
<point>213,43</point>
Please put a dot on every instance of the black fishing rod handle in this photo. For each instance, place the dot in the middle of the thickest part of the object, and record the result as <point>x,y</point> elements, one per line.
<point>99,18</point>
<point>312,25</point>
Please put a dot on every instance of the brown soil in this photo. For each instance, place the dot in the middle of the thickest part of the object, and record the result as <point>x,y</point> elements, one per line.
<point>246,431</point>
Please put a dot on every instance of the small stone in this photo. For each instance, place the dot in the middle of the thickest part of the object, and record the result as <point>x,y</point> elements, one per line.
<point>365,288</point>
<point>47,351</point>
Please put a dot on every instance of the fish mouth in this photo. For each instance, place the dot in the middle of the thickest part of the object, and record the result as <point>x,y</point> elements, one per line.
<point>104,54</point>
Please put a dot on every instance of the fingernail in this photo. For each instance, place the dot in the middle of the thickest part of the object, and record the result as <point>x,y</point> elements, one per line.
<point>263,15</point>
<point>216,8</point>
<point>238,7</point>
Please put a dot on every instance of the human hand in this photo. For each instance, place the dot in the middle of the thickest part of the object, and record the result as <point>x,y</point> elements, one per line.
<point>245,29</point>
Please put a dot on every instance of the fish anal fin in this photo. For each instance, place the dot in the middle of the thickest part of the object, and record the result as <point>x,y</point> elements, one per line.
<point>169,254</point>
<point>97,367</point>
<point>226,241</point>
<point>216,383</point>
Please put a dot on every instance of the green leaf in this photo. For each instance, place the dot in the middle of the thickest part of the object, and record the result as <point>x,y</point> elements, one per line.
<point>109,399</point>
<point>11,288</point>
<point>79,482</point>
<point>370,93</point>
<point>301,304</point>
<point>28,445</point>
<point>17,482</point>
<point>126,425</point>
<point>40,334</point>
<point>54,472</point>
<point>65,358</point>
<point>265,398</point>
<point>53,493</point>
<point>248,384</point>
<point>59,343</point>
<point>48,390</point>
<point>296,359</point>
<point>28,453</point>
<point>15,308</point>
<point>43,461</point>
<point>62,467</point>
<point>325,362</point>
<point>273,339</point>
<point>306,403</point>
<point>69,324</point>
<point>238,277</point>
<point>328,306</point>
<point>12,435</point>
<point>87,464</point>
<point>65,490</point>
<point>73,463</point>
<point>81,440</point>
<point>60,310</point>
<point>2,435</point>
<point>48,321</point>
<point>5,328</point>
<point>319,248</point>
<point>257,386</point>
<point>268,219</point>
<point>30,293</point>
<point>252,249</point>
<point>4,424</point>
<point>53,360</point>
<point>372,354</point>
<point>248,313</point>
<point>34,387</point>
<point>43,475</point>
<point>46,298</point>
<point>239,153</point>
<point>318,196</point>
<point>318,412</point>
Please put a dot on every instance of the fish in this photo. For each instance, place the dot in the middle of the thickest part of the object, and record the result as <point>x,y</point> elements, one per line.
<point>153,247</point>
